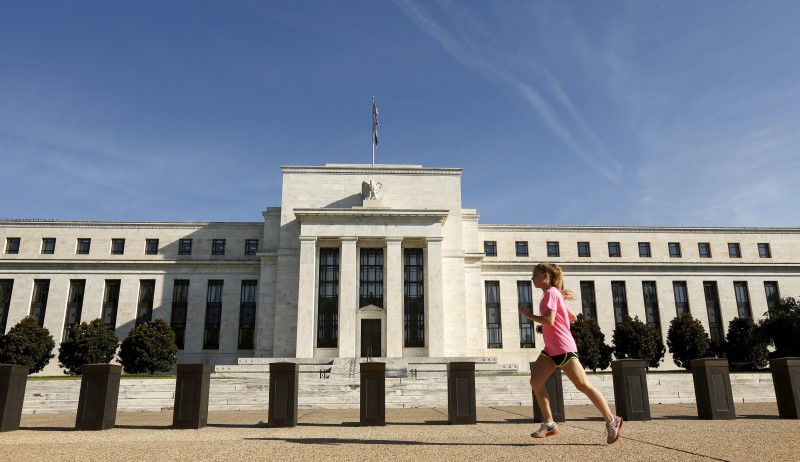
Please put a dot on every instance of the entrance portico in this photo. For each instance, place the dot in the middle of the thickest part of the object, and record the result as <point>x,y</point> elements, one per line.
<point>351,231</point>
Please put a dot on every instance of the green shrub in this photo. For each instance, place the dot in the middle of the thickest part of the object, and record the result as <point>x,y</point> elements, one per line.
<point>781,328</point>
<point>634,339</point>
<point>593,351</point>
<point>687,340</point>
<point>745,347</point>
<point>87,343</point>
<point>27,344</point>
<point>149,348</point>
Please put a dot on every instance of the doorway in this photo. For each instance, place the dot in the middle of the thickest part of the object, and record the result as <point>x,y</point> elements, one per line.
<point>370,338</point>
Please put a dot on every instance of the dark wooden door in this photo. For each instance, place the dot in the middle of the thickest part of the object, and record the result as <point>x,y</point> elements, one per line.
<point>370,338</point>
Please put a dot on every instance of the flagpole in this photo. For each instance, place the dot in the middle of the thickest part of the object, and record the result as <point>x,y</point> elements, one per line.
<point>373,131</point>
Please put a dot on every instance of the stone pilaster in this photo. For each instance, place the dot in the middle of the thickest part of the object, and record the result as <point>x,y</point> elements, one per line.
<point>434,305</point>
<point>393,297</point>
<point>305,297</point>
<point>348,297</point>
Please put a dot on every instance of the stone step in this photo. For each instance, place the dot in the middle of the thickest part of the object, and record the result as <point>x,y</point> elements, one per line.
<point>341,392</point>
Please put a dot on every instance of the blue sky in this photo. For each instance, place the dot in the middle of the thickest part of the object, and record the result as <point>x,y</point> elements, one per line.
<point>581,112</point>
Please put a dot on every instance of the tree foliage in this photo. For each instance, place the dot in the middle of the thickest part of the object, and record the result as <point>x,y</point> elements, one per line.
<point>593,351</point>
<point>781,328</point>
<point>745,347</point>
<point>149,348</point>
<point>687,339</point>
<point>634,339</point>
<point>27,344</point>
<point>87,343</point>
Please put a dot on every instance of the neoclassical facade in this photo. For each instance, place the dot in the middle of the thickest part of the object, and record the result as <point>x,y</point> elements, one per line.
<point>378,261</point>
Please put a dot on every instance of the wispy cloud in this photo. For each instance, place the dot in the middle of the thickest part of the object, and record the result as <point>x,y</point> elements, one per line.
<point>474,46</point>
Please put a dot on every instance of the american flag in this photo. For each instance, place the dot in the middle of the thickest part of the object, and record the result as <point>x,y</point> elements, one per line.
<point>374,122</point>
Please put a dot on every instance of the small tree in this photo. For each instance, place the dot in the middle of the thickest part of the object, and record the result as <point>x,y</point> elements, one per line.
<point>87,343</point>
<point>781,328</point>
<point>590,340</point>
<point>150,348</point>
<point>27,344</point>
<point>687,340</point>
<point>745,347</point>
<point>634,339</point>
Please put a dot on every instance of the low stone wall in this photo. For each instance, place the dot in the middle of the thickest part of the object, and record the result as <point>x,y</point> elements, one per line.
<point>252,393</point>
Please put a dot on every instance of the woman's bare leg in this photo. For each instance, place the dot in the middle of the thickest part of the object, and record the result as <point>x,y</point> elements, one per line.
<point>575,373</point>
<point>542,370</point>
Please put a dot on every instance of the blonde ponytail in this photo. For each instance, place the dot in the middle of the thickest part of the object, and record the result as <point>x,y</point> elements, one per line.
<point>556,278</point>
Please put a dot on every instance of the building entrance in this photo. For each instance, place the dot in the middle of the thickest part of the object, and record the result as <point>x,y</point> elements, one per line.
<point>370,337</point>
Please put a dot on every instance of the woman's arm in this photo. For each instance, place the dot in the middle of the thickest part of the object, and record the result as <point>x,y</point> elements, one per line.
<point>572,317</point>
<point>547,319</point>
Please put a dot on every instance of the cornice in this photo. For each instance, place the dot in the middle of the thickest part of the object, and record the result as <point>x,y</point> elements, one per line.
<point>637,229</point>
<point>123,224</point>
<point>686,267</point>
<point>348,169</point>
<point>328,215</point>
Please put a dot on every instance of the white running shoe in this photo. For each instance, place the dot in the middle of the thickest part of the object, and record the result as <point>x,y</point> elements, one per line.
<point>613,429</point>
<point>546,430</point>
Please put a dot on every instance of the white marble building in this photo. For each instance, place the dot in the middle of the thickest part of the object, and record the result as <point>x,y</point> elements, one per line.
<point>380,261</point>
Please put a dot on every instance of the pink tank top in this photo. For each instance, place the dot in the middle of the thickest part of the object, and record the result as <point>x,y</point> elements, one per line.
<point>557,338</point>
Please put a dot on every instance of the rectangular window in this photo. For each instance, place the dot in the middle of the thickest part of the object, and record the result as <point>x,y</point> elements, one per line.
<point>213,315</point>
<point>526,336</point>
<point>773,296</point>
<point>12,245</point>
<point>185,247</point>
<point>584,250</point>
<point>490,248</point>
<point>644,249</point>
<point>494,332</point>
<point>620,298</point>
<point>764,251</point>
<point>180,306</point>
<point>41,289</point>
<point>674,249</point>
<point>614,250</point>
<point>588,299</point>
<point>651,311</point>
<point>247,315</point>
<point>144,309</point>
<point>48,245</point>
<point>111,303</point>
<point>714,312</point>
<point>742,299</point>
<point>552,249</point>
<point>6,285</point>
<point>117,246</point>
<point>84,244</point>
<point>704,248</point>
<point>251,246</point>
<point>328,301</point>
<point>681,297</point>
<point>522,248</point>
<point>371,278</point>
<point>77,287</point>
<point>413,298</point>
<point>734,251</point>
<point>151,247</point>
<point>218,247</point>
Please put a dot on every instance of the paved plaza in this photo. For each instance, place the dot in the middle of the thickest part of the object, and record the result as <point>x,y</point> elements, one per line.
<point>502,433</point>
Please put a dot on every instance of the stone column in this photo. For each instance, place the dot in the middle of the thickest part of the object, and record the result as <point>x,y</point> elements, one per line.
<point>393,297</point>
<point>348,297</point>
<point>434,306</point>
<point>305,297</point>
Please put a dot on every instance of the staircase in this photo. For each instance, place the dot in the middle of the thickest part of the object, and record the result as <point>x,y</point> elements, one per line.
<point>410,383</point>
